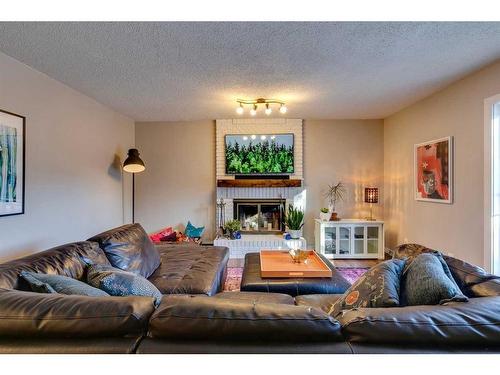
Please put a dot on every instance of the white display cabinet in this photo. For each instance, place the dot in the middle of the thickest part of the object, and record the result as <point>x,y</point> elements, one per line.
<point>350,238</point>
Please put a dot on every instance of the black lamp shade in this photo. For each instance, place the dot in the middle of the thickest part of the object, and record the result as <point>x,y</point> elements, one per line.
<point>133,163</point>
<point>371,195</point>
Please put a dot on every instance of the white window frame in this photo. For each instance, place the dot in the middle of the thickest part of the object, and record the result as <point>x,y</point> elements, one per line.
<point>489,257</point>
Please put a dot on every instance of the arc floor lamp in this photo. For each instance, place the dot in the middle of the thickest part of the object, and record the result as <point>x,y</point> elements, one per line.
<point>133,164</point>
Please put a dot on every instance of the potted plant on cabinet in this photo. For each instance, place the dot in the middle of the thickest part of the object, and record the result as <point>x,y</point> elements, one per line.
<point>335,194</point>
<point>324,214</point>
<point>294,221</point>
<point>232,228</point>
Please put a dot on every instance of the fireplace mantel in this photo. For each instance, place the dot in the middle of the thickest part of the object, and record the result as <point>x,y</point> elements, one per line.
<point>259,183</point>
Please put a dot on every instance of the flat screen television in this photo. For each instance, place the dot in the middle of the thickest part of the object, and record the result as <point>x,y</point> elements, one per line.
<point>259,154</point>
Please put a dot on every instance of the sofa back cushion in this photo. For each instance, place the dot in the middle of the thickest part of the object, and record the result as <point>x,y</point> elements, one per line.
<point>473,280</point>
<point>202,317</point>
<point>129,248</point>
<point>28,314</point>
<point>476,322</point>
<point>62,260</point>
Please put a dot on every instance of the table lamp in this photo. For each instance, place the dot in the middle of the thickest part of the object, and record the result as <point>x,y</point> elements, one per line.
<point>371,196</point>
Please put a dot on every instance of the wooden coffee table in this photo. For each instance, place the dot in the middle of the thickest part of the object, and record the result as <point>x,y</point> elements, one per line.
<point>252,281</point>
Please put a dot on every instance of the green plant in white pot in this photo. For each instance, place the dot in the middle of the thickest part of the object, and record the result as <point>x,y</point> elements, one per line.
<point>294,221</point>
<point>324,214</point>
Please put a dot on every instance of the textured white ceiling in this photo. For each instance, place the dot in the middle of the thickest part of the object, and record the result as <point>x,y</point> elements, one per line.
<point>188,71</point>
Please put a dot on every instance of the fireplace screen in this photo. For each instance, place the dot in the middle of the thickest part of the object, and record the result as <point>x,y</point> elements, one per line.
<point>260,216</point>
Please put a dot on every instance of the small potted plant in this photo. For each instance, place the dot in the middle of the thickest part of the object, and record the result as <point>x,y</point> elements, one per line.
<point>294,221</point>
<point>232,227</point>
<point>335,194</point>
<point>324,214</point>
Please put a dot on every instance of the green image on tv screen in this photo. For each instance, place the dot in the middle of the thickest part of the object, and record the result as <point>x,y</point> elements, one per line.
<point>259,154</point>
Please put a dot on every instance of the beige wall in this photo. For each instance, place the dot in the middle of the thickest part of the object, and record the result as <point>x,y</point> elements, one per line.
<point>455,111</point>
<point>73,189</point>
<point>179,181</point>
<point>350,151</point>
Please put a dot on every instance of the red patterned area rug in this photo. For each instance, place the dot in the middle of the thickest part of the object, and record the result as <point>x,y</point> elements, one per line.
<point>233,279</point>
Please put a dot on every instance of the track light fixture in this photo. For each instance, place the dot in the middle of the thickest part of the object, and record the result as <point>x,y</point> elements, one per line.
<point>254,102</point>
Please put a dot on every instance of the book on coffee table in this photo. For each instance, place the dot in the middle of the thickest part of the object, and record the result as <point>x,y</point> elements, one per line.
<point>280,264</point>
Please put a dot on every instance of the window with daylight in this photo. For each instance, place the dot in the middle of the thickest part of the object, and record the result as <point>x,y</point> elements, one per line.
<point>495,197</point>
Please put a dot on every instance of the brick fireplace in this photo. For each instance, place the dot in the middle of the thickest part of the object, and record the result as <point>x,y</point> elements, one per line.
<point>258,204</point>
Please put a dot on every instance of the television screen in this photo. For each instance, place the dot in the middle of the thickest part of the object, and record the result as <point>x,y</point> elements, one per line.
<point>259,154</point>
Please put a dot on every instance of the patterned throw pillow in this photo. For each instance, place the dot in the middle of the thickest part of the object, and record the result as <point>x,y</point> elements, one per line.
<point>427,280</point>
<point>45,283</point>
<point>117,282</point>
<point>156,237</point>
<point>172,237</point>
<point>378,287</point>
<point>192,231</point>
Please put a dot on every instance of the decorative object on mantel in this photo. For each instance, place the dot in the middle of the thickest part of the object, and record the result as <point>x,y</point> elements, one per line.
<point>232,228</point>
<point>335,194</point>
<point>254,103</point>
<point>133,164</point>
<point>433,166</point>
<point>324,214</point>
<point>221,213</point>
<point>294,220</point>
<point>12,163</point>
<point>371,196</point>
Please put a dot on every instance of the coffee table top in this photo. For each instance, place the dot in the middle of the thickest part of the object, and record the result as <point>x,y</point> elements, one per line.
<point>280,264</point>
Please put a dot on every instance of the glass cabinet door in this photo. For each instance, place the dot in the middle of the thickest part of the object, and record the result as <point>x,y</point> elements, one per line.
<point>344,240</point>
<point>372,240</point>
<point>359,240</point>
<point>330,240</point>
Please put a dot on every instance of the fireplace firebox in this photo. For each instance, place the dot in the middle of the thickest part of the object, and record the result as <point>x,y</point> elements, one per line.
<point>260,216</point>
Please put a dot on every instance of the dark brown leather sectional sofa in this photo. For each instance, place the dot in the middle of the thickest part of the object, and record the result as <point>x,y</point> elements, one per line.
<point>194,318</point>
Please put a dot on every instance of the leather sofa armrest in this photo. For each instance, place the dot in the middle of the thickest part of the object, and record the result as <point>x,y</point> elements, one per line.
<point>27,314</point>
<point>487,288</point>
<point>475,322</point>
<point>201,317</point>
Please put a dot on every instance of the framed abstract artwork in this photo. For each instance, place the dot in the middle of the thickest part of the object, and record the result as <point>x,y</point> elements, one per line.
<point>12,151</point>
<point>433,171</point>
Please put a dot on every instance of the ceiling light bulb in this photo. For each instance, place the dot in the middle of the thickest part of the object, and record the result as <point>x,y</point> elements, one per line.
<point>283,109</point>
<point>273,137</point>
<point>253,136</point>
<point>240,109</point>
<point>268,109</point>
<point>245,138</point>
<point>263,137</point>
<point>253,111</point>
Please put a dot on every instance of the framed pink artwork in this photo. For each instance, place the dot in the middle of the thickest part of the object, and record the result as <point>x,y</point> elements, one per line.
<point>433,171</point>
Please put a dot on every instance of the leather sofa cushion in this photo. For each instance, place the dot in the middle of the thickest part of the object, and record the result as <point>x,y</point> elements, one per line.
<point>190,269</point>
<point>476,322</point>
<point>28,314</point>
<point>471,278</point>
<point>93,345</point>
<point>129,248</point>
<point>257,297</point>
<point>201,317</point>
<point>187,346</point>
<point>61,260</point>
<point>320,301</point>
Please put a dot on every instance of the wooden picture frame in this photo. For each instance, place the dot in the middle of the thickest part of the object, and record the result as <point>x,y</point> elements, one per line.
<point>433,171</point>
<point>12,163</point>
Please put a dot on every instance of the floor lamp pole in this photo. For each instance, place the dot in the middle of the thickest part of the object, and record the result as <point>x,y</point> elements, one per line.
<point>133,197</point>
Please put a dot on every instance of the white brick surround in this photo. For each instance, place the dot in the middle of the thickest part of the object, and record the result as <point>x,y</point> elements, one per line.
<point>257,126</point>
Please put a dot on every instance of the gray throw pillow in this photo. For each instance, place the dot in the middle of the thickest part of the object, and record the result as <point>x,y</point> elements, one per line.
<point>427,280</point>
<point>378,287</point>
<point>45,283</point>
<point>117,282</point>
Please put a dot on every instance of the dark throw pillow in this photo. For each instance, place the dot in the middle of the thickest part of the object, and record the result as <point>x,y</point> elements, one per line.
<point>378,287</point>
<point>172,237</point>
<point>427,280</point>
<point>117,282</point>
<point>45,283</point>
